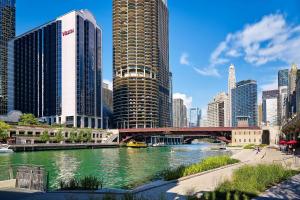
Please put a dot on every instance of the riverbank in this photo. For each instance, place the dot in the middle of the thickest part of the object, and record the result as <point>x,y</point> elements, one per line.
<point>58,146</point>
<point>180,188</point>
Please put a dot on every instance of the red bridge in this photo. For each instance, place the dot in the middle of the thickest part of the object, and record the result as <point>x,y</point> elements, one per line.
<point>220,133</point>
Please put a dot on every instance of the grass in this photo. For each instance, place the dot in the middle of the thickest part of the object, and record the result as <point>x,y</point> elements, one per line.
<point>85,183</point>
<point>248,181</point>
<point>204,165</point>
<point>252,146</point>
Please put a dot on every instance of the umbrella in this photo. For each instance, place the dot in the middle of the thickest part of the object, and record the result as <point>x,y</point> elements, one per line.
<point>292,142</point>
<point>282,142</point>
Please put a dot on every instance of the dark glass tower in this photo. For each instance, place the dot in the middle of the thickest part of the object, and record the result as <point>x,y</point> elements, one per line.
<point>141,64</point>
<point>56,71</point>
<point>7,32</point>
<point>244,102</point>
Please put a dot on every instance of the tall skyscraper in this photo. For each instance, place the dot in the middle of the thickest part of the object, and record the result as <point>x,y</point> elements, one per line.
<point>291,97</point>
<point>217,111</point>
<point>292,79</point>
<point>179,113</point>
<point>195,117</point>
<point>259,115</point>
<point>269,107</point>
<point>56,71</point>
<point>107,94</point>
<point>7,32</point>
<point>283,80</point>
<point>244,103</point>
<point>231,85</point>
<point>141,63</point>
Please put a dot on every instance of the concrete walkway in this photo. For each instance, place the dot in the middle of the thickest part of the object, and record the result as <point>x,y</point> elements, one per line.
<point>289,189</point>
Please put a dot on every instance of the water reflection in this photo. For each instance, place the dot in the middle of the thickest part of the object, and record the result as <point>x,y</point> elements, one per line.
<point>66,166</point>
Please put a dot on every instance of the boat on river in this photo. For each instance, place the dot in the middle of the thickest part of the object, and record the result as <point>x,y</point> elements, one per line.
<point>159,144</point>
<point>135,144</point>
<point>4,148</point>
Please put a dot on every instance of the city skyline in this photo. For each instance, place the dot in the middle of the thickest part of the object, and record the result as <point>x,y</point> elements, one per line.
<point>208,30</point>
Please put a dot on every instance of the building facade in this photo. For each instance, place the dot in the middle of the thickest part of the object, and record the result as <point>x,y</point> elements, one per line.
<point>217,111</point>
<point>283,80</point>
<point>107,100</point>
<point>231,85</point>
<point>179,113</point>
<point>247,136</point>
<point>194,117</point>
<point>291,97</point>
<point>269,107</point>
<point>57,72</point>
<point>7,32</point>
<point>141,64</point>
<point>244,103</point>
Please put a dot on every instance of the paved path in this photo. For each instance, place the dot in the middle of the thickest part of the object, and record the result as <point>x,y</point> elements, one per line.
<point>289,189</point>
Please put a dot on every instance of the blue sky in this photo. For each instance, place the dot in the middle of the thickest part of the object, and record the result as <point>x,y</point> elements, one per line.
<point>258,37</point>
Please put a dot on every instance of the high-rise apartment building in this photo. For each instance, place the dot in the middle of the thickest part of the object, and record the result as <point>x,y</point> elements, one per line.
<point>269,107</point>
<point>231,85</point>
<point>283,80</point>
<point>217,111</point>
<point>141,63</point>
<point>244,103</point>
<point>179,113</point>
<point>56,71</point>
<point>7,32</point>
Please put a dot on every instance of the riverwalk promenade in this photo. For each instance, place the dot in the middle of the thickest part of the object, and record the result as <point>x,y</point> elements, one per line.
<point>191,185</point>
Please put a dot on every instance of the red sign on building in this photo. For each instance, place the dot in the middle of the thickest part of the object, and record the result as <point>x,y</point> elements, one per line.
<point>68,32</point>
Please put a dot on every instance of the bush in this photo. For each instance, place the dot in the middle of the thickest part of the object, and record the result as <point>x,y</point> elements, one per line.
<point>204,165</point>
<point>248,181</point>
<point>86,183</point>
<point>28,119</point>
<point>44,137</point>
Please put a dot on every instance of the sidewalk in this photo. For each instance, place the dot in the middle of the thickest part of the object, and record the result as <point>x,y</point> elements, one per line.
<point>289,189</point>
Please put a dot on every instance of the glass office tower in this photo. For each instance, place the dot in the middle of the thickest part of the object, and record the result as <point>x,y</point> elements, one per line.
<point>7,32</point>
<point>244,102</point>
<point>141,64</point>
<point>57,73</point>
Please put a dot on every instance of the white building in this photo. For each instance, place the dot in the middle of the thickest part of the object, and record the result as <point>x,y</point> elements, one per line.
<point>231,85</point>
<point>179,113</point>
<point>217,111</point>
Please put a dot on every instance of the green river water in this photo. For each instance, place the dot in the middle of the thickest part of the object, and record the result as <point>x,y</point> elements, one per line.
<point>117,167</point>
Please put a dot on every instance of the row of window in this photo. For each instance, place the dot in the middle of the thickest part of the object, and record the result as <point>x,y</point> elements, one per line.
<point>248,141</point>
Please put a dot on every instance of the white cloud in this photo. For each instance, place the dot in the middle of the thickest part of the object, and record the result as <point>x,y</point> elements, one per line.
<point>271,85</point>
<point>110,84</point>
<point>208,71</point>
<point>270,39</point>
<point>187,100</point>
<point>184,59</point>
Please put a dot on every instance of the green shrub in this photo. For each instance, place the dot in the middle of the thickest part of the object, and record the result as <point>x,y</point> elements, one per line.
<point>249,146</point>
<point>204,165</point>
<point>248,181</point>
<point>86,183</point>
<point>44,137</point>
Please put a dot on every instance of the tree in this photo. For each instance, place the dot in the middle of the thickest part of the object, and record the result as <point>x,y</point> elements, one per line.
<point>28,119</point>
<point>59,136</point>
<point>80,136</point>
<point>88,136</point>
<point>3,131</point>
<point>45,136</point>
<point>73,136</point>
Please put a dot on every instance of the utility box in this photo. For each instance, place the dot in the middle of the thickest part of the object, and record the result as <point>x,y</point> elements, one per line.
<point>31,178</point>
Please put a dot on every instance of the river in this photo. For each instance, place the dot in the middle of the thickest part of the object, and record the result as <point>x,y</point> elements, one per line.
<point>117,167</point>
